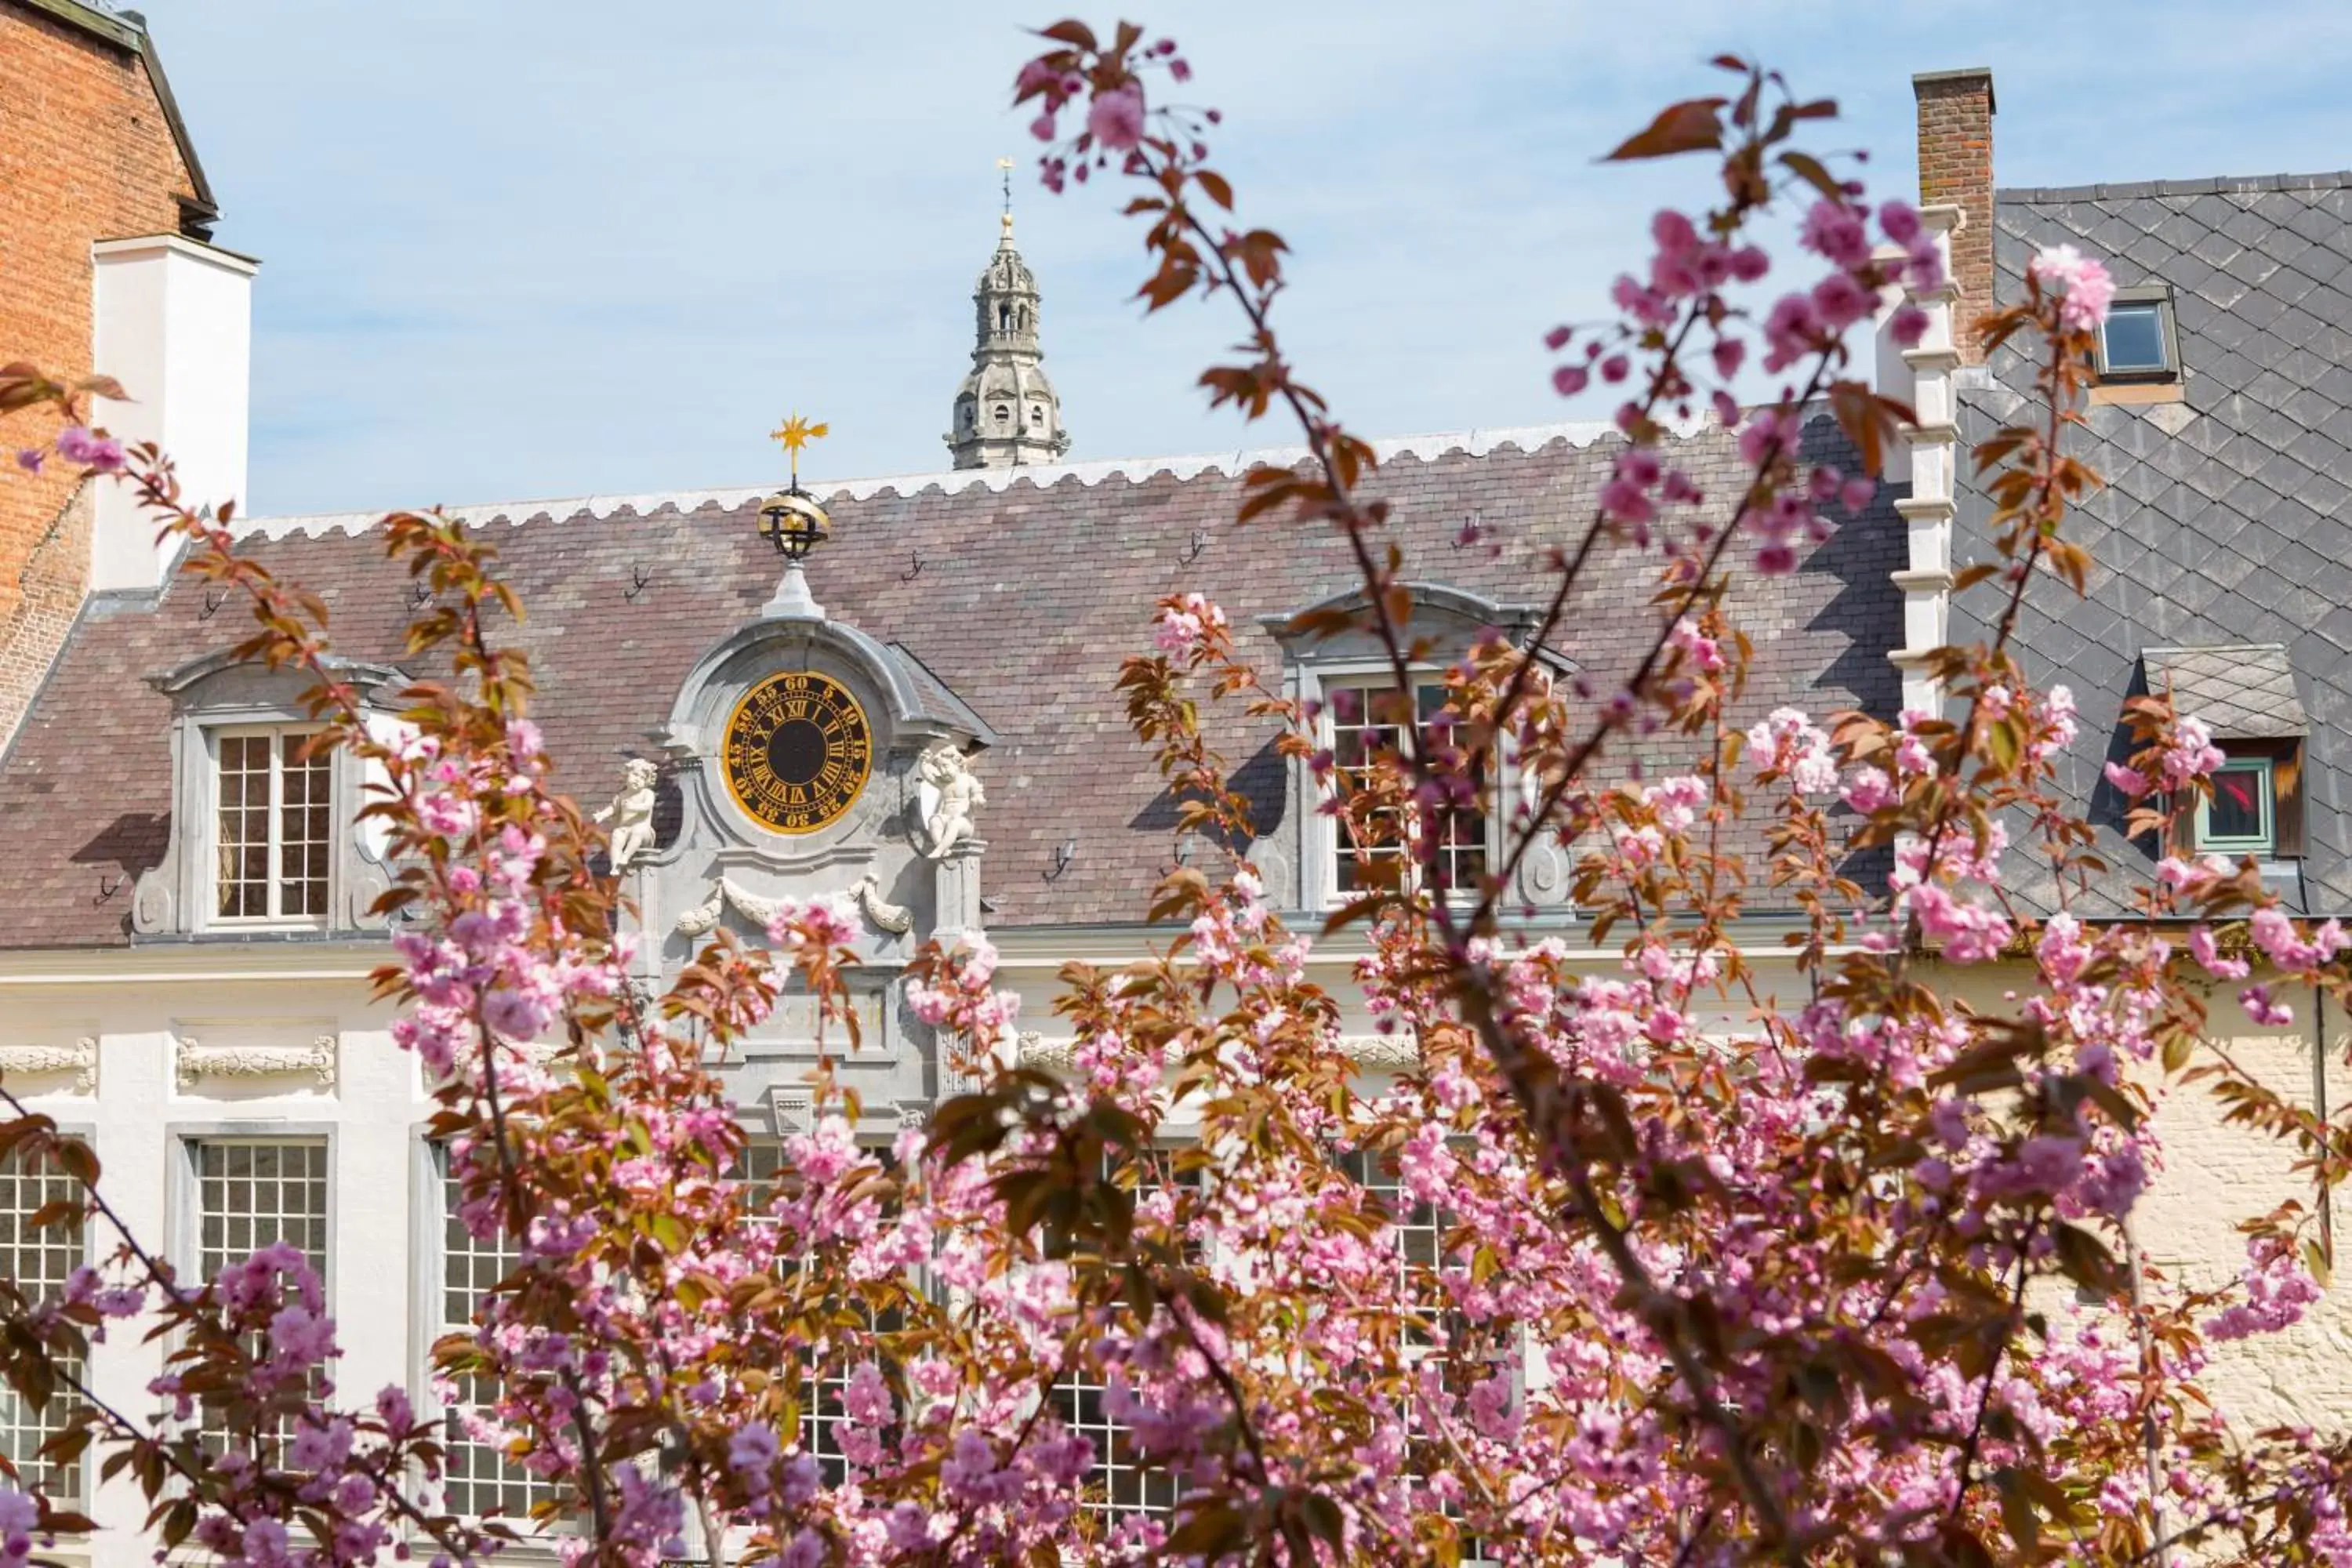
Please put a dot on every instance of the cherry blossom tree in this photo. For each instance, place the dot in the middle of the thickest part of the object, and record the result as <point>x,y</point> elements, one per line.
<point>1851,1286</point>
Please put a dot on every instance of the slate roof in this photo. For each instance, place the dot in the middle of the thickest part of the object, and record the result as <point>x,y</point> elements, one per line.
<point>2224,520</point>
<point>1021,592</point>
<point>2241,692</point>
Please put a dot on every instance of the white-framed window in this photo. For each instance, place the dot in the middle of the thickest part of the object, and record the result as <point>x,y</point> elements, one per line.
<point>272,825</point>
<point>824,1386</point>
<point>1121,1482</point>
<point>1418,1228</point>
<point>249,1192</point>
<point>38,1258</point>
<point>1365,716</point>
<point>2241,816</point>
<point>477,1478</point>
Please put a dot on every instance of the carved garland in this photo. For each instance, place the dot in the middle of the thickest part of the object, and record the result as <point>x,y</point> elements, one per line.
<point>80,1058</point>
<point>197,1061</point>
<point>701,919</point>
<point>1034,1050</point>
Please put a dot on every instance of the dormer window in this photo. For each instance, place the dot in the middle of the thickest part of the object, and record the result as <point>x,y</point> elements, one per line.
<point>2138,342</point>
<point>272,824</point>
<point>1319,854</point>
<point>265,837</point>
<point>2244,694</point>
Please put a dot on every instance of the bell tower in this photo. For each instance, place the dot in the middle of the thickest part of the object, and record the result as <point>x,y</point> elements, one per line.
<point>1006,414</point>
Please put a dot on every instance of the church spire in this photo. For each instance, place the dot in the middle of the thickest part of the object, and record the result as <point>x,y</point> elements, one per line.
<point>1006,415</point>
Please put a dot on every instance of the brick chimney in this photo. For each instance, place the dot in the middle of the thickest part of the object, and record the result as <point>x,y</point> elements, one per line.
<point>1955,110</point>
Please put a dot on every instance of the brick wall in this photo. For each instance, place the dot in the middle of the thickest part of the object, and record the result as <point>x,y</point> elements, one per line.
<point>86,153</point>
<point>1955,110</point>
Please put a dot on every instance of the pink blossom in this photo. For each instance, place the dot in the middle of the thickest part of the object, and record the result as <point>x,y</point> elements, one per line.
<point>1899,221</point>
<point>1115,118</point>
<point>1869,790</point>
<point>2208,954</point>
<point>2082,285</point>
<point>91,449</point>
<point>2277,1290</point>
<point>2263,1009</point>
<point>1836,231</point>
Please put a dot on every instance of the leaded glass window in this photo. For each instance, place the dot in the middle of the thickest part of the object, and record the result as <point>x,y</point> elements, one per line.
<point>39,1259</point>
<point>1368,721</point>
<point>272,825</point>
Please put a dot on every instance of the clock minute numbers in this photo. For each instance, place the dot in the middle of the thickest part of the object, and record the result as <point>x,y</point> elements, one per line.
<point>798,752</point>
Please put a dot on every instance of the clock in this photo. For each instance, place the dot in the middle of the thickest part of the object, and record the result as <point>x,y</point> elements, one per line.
<point>798,751</point>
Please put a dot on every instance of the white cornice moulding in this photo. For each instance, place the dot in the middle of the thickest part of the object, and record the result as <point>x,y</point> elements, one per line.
<point>197,1062</point>
<point>80,1058</point>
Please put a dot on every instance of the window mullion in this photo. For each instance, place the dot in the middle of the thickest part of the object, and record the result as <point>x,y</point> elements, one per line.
<point>276,829</point>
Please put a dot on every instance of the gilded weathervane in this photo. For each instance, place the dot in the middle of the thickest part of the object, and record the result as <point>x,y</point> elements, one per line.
<point>793,522</point>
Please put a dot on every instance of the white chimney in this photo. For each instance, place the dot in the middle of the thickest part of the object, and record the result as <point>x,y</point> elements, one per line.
<point>173,323</point>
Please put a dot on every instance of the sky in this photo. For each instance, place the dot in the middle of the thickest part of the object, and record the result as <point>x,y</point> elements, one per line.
<point>517,249</point>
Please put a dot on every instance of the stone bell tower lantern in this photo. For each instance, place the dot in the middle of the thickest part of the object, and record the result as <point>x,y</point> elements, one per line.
<point>1007,413</point>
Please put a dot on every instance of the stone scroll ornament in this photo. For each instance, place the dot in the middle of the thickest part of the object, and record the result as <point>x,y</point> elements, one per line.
<point>725,893</point>
<point>633,814</point>
<point>947,792</point>
<point>897,919</point>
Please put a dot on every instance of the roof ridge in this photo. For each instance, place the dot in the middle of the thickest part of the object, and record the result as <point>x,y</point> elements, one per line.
<point>2212,185</point>
<point>1423,448</point>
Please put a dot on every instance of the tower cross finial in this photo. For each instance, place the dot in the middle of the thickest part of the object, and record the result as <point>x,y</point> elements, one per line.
<point>1004,167</point>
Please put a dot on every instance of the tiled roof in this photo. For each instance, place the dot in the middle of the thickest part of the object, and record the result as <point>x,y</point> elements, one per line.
<point>2224,519</point>
<point>1021,593</point>
<point>2240,692</point>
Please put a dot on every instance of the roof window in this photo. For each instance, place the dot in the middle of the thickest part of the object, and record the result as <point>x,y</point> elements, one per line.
<point>2138,341</point>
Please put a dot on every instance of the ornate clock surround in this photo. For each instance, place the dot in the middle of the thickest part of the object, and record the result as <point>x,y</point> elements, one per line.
<point>903,715</point>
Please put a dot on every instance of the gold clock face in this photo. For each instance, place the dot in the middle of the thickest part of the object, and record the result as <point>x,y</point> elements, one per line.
<point>798,751</point>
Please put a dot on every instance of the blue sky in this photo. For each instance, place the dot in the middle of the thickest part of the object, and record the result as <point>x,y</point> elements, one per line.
<point>514,248</point>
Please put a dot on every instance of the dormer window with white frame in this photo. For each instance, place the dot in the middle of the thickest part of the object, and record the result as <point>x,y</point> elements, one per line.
<point>273,825</point>
<point>265,834</point>
<point>1339,673</point>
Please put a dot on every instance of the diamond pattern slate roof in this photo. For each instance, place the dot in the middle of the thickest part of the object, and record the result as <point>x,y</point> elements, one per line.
<point>2240,692</point>
<point>1027,598</point>
<point>2224,519</point>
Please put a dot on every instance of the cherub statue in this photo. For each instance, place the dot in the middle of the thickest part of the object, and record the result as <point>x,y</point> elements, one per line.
<point>633,811</point>
<point>947,792</point>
